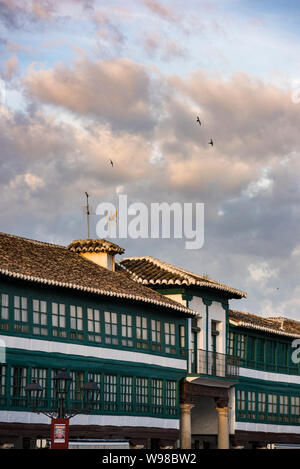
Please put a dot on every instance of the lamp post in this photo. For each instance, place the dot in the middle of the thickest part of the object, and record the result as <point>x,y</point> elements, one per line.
<point>61,415</point>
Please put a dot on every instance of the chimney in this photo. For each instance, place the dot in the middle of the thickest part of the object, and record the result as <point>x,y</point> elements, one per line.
<point>100,251</point>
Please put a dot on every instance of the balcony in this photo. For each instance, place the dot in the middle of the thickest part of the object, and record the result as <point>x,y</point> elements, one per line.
<point>218,365</point>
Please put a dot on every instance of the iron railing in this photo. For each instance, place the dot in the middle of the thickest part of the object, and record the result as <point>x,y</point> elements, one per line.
<point>204,362</point>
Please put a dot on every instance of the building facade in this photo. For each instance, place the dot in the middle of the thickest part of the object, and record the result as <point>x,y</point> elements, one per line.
<point>174,365</point>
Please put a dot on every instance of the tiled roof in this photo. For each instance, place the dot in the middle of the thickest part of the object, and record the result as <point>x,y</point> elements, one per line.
<point>154,272</point>
<point>95,245</point>
<point>274,325</point>
<point>55,265</point>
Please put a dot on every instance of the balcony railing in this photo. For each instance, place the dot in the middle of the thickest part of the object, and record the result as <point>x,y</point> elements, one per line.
<point>209,363</point>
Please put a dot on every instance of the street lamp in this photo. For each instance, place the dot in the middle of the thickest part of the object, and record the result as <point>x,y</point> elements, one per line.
<point>62,382</point>
<point>60,417</point>
<point>34,390</point>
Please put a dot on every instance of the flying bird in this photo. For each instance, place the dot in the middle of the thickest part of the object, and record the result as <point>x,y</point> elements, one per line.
<point>198,120</point>
<point>211,143</point>
<point>111,162</point>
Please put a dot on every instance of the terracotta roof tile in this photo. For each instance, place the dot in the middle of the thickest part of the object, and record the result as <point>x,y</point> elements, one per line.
<point>276,325</point>
<point>151,271</point>
<point>56,265</point>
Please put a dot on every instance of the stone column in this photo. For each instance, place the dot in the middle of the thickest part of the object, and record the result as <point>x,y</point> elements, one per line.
<point>223,424</point>
<point>185,426</point>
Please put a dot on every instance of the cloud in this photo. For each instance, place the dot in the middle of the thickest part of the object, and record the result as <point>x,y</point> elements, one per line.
<point>116,92</point>
<point>163,12</point>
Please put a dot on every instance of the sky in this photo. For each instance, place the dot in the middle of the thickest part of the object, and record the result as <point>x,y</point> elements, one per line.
<point>85,81</point>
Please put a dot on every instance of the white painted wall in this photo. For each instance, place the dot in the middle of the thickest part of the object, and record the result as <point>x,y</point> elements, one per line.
<point>216,312</point>
<point>23,343</point>
<point>205,417</point>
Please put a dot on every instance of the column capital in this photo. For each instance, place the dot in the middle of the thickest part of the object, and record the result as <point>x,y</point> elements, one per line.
<point>221,403</point>
<point>185,407</point>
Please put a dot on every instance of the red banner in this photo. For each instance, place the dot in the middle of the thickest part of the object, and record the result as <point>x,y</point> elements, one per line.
<point>59,433</point>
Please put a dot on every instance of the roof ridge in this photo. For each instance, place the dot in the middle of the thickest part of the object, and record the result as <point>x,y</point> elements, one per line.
<point>190,276</point>
<point>33,241</point>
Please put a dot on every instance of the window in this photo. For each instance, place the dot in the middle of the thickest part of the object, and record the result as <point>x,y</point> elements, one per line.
<point>76,323</point>
<point>261,405</point>
<point>284,408</point>
<point>171,397</point>
<point>40,317</point>
<point>157,396</point>
<point>230,343</point>
<point>18,384</point>
<point>170,338</point>
<point>241,404</point>
<point>142,332</point>
<point>182,336</point>
<point>251,405</point>
<point>272,407</point>
<point>4,312</point>
<point>295,409</point>
<point>110,392</point>
<point>270,354</point>
<point>111,328</point>
<point>94,326</point>
<point>126,321</point>
<point>142,395</point>
<point>2,384</point>
<point>156,335</point>
<point>76,392</point>
<point>96,377</point>
<point>241,346</point>
<point>21,314</point>
<point>126,383</point>
<point>40,376</point>
<point>59,320</point>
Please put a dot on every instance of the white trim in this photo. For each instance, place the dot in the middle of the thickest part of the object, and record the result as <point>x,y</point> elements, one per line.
<point>267,428</point>
<point>103,420</point>
<point>23,343</point>
<point>268,376</point>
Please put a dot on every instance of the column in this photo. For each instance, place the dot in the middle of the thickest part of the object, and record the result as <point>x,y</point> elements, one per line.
<point>185,426</point>
<point>223,425</point>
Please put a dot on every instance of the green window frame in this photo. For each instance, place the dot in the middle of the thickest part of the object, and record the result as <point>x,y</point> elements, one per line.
<point>58,315</point>
<point>18,383</point>
<point>142,395</point>
<point>94,325</point>
<point>76,392</point>
<point>39,317</point>
<point>284,408</point>
<point>97,378</point>
<point>21,314</point>
<point>295,409</point>
<point>3,375</point>
<point>111,327</point>
<point>156,335</point>
<point>126,389</point>
<point>272,407</point>
<point>126,330</point>
<point>261,405</point>
<point>241,346</point>
<point>241,403</point>
<point>141,323</point>
<point>230,343</point>
<point>40,376</point>
<point>4,312</point>
<point>76,322</point>
<point>251,405</point>
<point>171,397</point>
<point>170,337</point>
<point>157,396</point>
<point>110,393</point>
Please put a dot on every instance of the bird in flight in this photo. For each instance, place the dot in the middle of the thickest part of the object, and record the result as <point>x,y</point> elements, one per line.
<point>211,143</point>
<point>198,120</point>
<point>111,162</point>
